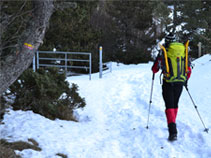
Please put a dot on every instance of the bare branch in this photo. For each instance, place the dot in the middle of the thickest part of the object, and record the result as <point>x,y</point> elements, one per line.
<point>9,46</point>
<point>15,16</point>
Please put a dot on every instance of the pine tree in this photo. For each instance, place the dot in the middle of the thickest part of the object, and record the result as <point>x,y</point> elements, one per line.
<point>194,19</point>
<point>135,27</point>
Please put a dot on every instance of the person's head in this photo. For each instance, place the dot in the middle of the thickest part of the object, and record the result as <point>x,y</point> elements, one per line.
<point>170,38</point>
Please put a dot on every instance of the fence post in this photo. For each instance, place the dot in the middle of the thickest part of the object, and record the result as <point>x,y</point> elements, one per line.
<point>37,59</point>
<point>66,64</point>
<point>90,65</point>
<point>110,66</point>
<point>199,49</point>
<point>101,62</point>
<point>34,64</point>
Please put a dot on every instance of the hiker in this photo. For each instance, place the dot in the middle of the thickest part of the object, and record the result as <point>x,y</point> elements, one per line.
<point>173,80</point>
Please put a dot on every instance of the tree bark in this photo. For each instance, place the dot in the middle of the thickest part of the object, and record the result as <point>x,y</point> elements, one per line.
<point>14,65</point>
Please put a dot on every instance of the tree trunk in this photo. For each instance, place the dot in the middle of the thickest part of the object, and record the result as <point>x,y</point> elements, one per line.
<point>14,65</point>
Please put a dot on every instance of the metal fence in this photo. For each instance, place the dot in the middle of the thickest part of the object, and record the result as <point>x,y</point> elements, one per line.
<point>107,68</point>
<point>64,60</point>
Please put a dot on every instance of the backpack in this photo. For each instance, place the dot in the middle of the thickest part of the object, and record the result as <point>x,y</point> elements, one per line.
<point>175,62</point>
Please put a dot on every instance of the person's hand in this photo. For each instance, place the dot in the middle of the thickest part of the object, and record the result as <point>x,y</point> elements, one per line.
<point>186,84</point>
<point>154,70</point>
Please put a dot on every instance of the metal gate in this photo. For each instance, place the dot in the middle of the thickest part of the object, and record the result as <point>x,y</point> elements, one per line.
<point>64,60</point>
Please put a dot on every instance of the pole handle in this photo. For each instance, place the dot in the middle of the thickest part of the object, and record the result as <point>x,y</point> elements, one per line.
<point>153,76</point>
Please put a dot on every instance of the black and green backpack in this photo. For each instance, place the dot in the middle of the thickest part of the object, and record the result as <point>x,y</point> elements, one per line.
<point>175,62</point>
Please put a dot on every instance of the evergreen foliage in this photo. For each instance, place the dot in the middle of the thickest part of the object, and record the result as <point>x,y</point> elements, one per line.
<point>70,30</point>
<point>46,93</point>
<point>131,20</point>
<point>125,29</point>
<point>131,31</point>
<point>198,24</point>
<point>194,19</point>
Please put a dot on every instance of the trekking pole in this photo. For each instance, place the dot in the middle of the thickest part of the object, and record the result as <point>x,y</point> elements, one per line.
<point>150,102</point>
<point>205,129</point>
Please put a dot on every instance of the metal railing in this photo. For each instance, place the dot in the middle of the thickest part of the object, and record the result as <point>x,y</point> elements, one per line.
<point>63,61</point>
<point>107,68</point>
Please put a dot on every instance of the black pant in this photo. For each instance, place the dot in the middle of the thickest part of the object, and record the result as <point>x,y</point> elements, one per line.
<point>171,94</point>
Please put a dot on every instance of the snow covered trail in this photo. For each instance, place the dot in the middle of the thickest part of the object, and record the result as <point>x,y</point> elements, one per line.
<point>126,106</point>
<point>113,123</point>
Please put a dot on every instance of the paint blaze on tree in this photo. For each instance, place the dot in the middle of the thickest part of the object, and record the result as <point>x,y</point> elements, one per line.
<point>23,32</point>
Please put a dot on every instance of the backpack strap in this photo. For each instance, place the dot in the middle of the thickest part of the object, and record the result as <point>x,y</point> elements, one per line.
<point>166,59</point>
<point>178,68</point>
<point>186,56</point>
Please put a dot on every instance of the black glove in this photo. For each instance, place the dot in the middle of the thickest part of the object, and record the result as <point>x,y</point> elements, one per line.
<point>186,84</point>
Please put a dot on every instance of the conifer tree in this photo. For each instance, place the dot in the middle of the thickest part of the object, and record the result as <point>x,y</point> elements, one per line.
<point>192,20</point>
<point>135,27</point>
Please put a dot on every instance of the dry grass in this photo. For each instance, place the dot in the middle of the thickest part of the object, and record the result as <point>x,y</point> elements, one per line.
<point>6,152</point>
<point>62,155</point>
<point>7,148</point>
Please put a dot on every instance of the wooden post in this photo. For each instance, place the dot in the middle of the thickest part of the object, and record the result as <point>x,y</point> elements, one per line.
<point>199,49</point>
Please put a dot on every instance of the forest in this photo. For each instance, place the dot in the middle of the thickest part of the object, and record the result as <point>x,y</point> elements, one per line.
<point>128,31</point>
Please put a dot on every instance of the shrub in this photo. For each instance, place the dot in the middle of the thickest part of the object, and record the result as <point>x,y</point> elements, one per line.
<point>47,93</point>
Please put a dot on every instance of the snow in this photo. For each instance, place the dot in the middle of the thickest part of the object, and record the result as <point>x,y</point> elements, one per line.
<point>113,123</point>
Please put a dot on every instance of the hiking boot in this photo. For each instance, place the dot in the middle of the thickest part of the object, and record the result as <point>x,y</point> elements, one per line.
<point>172,131</point>
<point>172,137</point>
